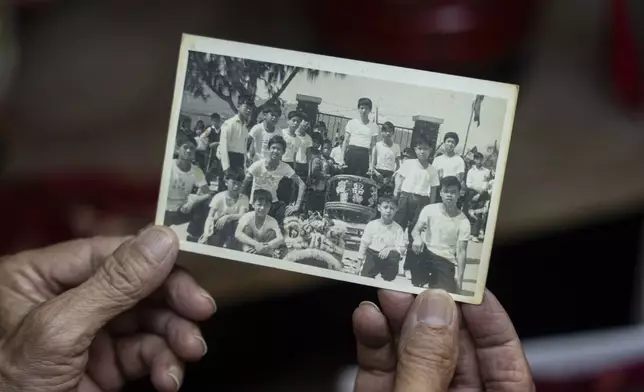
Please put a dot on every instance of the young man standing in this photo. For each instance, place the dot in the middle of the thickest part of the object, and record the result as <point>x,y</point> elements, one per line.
<point>261,133</point>
<point>234,136</point>
<point>386,158</point>
<point>450,164</point>
<point>439,241</point>
<point>207,143</point>
<point>478,184</point>
<point>359,139</point>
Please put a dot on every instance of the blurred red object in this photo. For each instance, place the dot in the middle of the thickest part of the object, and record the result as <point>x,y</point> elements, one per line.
<point>62,207</point>
<point>627,58</point>
<point>440,35</point>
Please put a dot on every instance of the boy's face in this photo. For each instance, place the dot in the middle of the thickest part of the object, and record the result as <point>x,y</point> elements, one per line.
<point>261,207</point>
<point>387,210</point>
<point>294,123</point>
<point>364,110</point>
<point>478,162</point>
<point>276,151</point>
<point>386,134</point>
<point>316,144</point>
<point>233,185</point>
<point>245,110</point>
<point>450,143</point>
<point>187,152</point>
<point>326,149</point>
<point>450,195</point>
<point>272,117</point>
<point>422,151</point>
<point>216,122</point>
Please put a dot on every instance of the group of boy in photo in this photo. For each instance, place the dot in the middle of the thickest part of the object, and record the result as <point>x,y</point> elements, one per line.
<point>428,210</point>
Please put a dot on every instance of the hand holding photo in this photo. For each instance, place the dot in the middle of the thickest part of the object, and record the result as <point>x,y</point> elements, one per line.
<point>361,172</point>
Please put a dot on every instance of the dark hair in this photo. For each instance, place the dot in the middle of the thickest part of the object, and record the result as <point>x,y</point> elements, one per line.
<point>277,139</point>
<point>451,135</point>
<point>215,116</point>
<point>262,194</point>
<point>297,113</point>
<point>386,199</point>
<point>272,109</point>
<point>421,138</point>
<point>320,124</point>
<point>478,155</point>
<point>366,102</point>
<point>450,181</point>
<point>234,173</point>
<point>246,99</point>
<point>316,137</point>
<point>327,141</point>
<point>389,126</point>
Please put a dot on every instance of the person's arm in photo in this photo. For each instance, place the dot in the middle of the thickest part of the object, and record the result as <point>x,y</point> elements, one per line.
<point>209,226</point>
<point>398,160</point>
<point>372,146</point>
<point>373,160</point>
<point>365,241</point>
<point>243,237</point>
<point>300,195</point>
<point>279,238</point>
<point>246,186</point>
<point>461,251</point>
<point>469,182</point>
<point>345,145</point>
<point>460,172</point>
<point>203,192</point>
<point>434,186</point>
<point>421,225</point>
<point>223,146</point>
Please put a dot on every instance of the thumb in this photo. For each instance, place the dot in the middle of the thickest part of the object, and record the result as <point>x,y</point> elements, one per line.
<point>135,270</point>
<point>428,347</point>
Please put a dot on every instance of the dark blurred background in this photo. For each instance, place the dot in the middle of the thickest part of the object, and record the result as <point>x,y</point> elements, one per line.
<point>85,95</point>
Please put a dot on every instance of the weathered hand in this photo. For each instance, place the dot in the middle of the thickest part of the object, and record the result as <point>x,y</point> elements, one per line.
<point>425,344</point>
<point>88,315</point>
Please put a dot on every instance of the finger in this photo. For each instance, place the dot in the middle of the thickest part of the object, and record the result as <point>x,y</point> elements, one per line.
<point>184,295</point>
<point>143,354</point>
<point>428,348</point>
<point>502,362</point>
<point>68,264</point>
<point>103,366</point>
<point>130,274</point>
<point>375,349</point>
<point>466,377</point>
<point>183,336</point>
<point>395,306</point>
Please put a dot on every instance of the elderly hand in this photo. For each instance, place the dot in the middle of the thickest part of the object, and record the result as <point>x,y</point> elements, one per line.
<point>425,344</point>
<point>88,315</point>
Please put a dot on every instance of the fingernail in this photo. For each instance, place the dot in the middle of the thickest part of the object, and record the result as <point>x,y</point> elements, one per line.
<point>174,374</point>
<point>203,343</point>
<point>369,303</point>
<point>211,299</point>
<point>157,241</point>
<point>436,308</point>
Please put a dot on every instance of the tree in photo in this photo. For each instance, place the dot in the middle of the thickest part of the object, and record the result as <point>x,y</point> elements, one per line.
<point>228,77</point>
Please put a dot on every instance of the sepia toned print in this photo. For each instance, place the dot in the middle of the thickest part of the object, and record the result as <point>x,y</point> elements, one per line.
<point>336,168</point>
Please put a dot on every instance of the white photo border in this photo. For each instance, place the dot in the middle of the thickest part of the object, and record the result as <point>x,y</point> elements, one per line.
<point>508,92</point>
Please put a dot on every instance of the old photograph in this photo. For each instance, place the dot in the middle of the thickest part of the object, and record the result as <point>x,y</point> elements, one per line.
<point>360,172</point>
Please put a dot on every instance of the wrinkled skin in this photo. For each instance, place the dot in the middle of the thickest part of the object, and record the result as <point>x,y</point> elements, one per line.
<point>428,344</point>
<point>89,315</point>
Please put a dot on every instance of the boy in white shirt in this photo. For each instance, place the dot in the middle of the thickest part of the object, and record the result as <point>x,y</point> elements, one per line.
<point>386,158</point>
<point>478,184</point>
<point>303,154</point>
<point>261,133</point>
<point>336,151</point>
<point>267,174</point>
<point>184,176</point>
<point>258,232</point>
<point>359,139</point>
<point>290,134</point>
<point>383,243</point>
<point>439,242</point>
<point>233,139</point>
<point>450,164</point>
<point>225,210</point>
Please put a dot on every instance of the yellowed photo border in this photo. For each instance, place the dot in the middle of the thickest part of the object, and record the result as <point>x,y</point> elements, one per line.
<point>507,92</point>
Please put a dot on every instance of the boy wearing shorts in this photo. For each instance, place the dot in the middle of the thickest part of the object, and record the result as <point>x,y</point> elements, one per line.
<point>383,243</point>
<point>261,133</point>
<point>225,210</point>
<point>258,232</point>
<point>385,158</point>
<point>440,240</point>
<point>359,139</point>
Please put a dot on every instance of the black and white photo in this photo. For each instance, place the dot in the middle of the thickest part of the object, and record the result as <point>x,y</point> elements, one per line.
<point>361,172</point>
